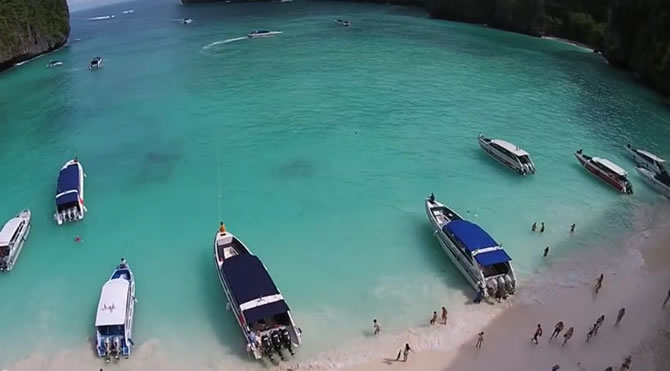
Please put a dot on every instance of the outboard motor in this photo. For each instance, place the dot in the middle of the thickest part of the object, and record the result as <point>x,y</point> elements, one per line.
<point>108,349</point>
<point>286,340</point>
<point>491,287</point>
<point>267,347</point>
<point>509,284</point>
<point>116,347</point>
<point>276,343</point>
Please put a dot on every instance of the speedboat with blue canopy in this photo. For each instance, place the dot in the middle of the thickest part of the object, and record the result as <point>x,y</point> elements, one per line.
<point>259,307</point>
<point>482,261</point>
<point>114,319</point>
<point>70,193</point>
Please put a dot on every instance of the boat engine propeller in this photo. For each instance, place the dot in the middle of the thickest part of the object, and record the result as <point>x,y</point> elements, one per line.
<point>276,343</point>
<point>108,351</point>
<point>267,347</point>
<point>509,284</point>
<point>116,347</point>
<point>286,341</point>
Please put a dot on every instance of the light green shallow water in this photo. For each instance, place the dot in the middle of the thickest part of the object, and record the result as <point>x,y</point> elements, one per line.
<point>319,145</point>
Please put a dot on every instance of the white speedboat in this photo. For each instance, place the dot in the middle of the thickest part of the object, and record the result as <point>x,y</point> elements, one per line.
<point>54,64</point>
<point>482,261</point>
<point>607,171</point>
<point>660,181</point>
<point>646,159</point>
<point>95,63</point>
<point>12,238</point>
<point>258,305</point>
<point>508,154</point>
<point>342,22</point>
<point>114,318</point>
<point>129,11</point>
<point>70,193</point>
<point>186,21</point>
<point>262,33</point>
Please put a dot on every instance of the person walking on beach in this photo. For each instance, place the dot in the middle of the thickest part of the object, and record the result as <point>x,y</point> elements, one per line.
<point>534,227</point>
<point>666,299</point>
<point>375,327</point>
<point>557,330</point>
<point>434,319</point>
<point>572,228</point>
<point>538,333</point>
<point>480,339</point>
<point>599,322</point>
<point>599,283</point>
<point>405,352</point>
<point>546,251</point>
<point>626,364</point>
<point>556,368</point>
<point>444,315</point>
<point>541,227</point>
<point>590,333</point>
<point>620,315</point>
<point>568,335</point>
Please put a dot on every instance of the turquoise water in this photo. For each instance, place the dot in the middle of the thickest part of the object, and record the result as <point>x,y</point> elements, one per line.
<point>316,147</point>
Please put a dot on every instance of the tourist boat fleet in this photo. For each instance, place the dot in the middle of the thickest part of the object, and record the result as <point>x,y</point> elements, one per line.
<point>260,310</point>
<point>114,319</point>
<point>259,307</point>
<point>480,259</point>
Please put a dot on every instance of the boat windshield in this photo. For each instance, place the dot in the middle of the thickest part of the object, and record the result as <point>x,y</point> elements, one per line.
<point>524,159</point>
<point>495,269</point>
<point>4,250</point>
<point>111,330</point>
<point>279,320</point>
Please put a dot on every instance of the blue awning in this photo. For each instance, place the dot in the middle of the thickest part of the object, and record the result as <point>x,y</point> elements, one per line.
<point>68,198</point>
<point>471,236</point>
<point>247,278</point>
<point>265,311</point>
<point>68,179</point>
<point>492,257</point>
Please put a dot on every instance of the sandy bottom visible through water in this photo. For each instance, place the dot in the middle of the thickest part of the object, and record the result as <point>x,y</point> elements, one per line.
<point>636,277</point>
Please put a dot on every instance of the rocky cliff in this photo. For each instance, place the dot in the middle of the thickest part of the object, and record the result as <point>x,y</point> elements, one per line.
<point>31,27</point>
<point>638,38</point>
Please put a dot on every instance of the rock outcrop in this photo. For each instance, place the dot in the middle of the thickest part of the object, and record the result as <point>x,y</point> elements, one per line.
<point>29,28</point>
<point>638,38</point>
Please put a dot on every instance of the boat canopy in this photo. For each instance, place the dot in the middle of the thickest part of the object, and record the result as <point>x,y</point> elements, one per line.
<point>492,257</point>
<point>471,236</point>
<point>610,165</point>
<point>249,281</point>
<point>67,190</point>
<point>510,147</point>
<point>649,156</point>
<point>8,230</point>
<point>113,303</point>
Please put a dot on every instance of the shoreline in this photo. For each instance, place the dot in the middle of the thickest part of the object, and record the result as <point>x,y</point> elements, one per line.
<point>643,332</point>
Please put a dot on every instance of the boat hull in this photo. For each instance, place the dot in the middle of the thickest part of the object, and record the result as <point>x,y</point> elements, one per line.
<point>641,161</point>
<point>591,168</point>
<point>504,160</point>
<point>649,177</point>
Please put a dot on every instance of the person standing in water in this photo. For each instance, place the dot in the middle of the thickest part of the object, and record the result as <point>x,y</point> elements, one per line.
<point>533,228</point>
<point>431,199</point>
<point>433,319</point>
<point>599,283</point>
<point>572,228</point>
<point>541,227</point>
<point>405,352</point>
<point>619,316</point>
<point>375,327</point>
<point>546,251</point>
<point>444,315</point>
<point>557,330</point>
<point>538,333</point>
<point>480,339</point>
<point>568,335</point>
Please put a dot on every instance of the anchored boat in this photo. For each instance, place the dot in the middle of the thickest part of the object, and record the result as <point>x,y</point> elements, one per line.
<point>95,63</point>
<point>114,319</point>
<point>606,171</point>
<point>660,181</point>
<point>258,305</point>
<point>342,22</point>
<point>12,238</point>
<point>507,154</point>
<point>646,159</point>
<point>482,261</point>
<point>70,193</point>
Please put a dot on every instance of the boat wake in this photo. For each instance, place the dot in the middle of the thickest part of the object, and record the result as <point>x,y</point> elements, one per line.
<point>223,42</point>
<point>101,18</point>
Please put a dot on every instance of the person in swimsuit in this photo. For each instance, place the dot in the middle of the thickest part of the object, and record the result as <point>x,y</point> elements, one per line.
<point>375,327</point>
<point>538,333</point>
<point>444,315</point>
<point>405,352</point>
<point>557,330</point>
<point>568,335</point>
<point>619,316</point>
<point>433,319</point>
<point>480,339</point>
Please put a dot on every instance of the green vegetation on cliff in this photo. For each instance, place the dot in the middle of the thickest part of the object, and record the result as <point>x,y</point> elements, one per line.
<point>31,27</point>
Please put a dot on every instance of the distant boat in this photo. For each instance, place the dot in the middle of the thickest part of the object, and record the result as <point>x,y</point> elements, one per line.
<point>12,238</point>
<point>129,11</point>
<point>660,181</point>
<point>54,64</point>
<point>70,193</point>
<point>259,307</point>
<point>607,171</point>
<point>101,18</point>
<point>646,159</point>
<point>343,22</point>
<point>114,318</point>
<point>186,20</point>
<point>508,154</point>
<point>480,259</point>
<point>95,63</point>
<point>262,33</point>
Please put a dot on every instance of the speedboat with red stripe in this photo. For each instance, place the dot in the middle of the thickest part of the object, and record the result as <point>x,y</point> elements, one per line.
<point>607,171</point>
<point>259,307</point>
